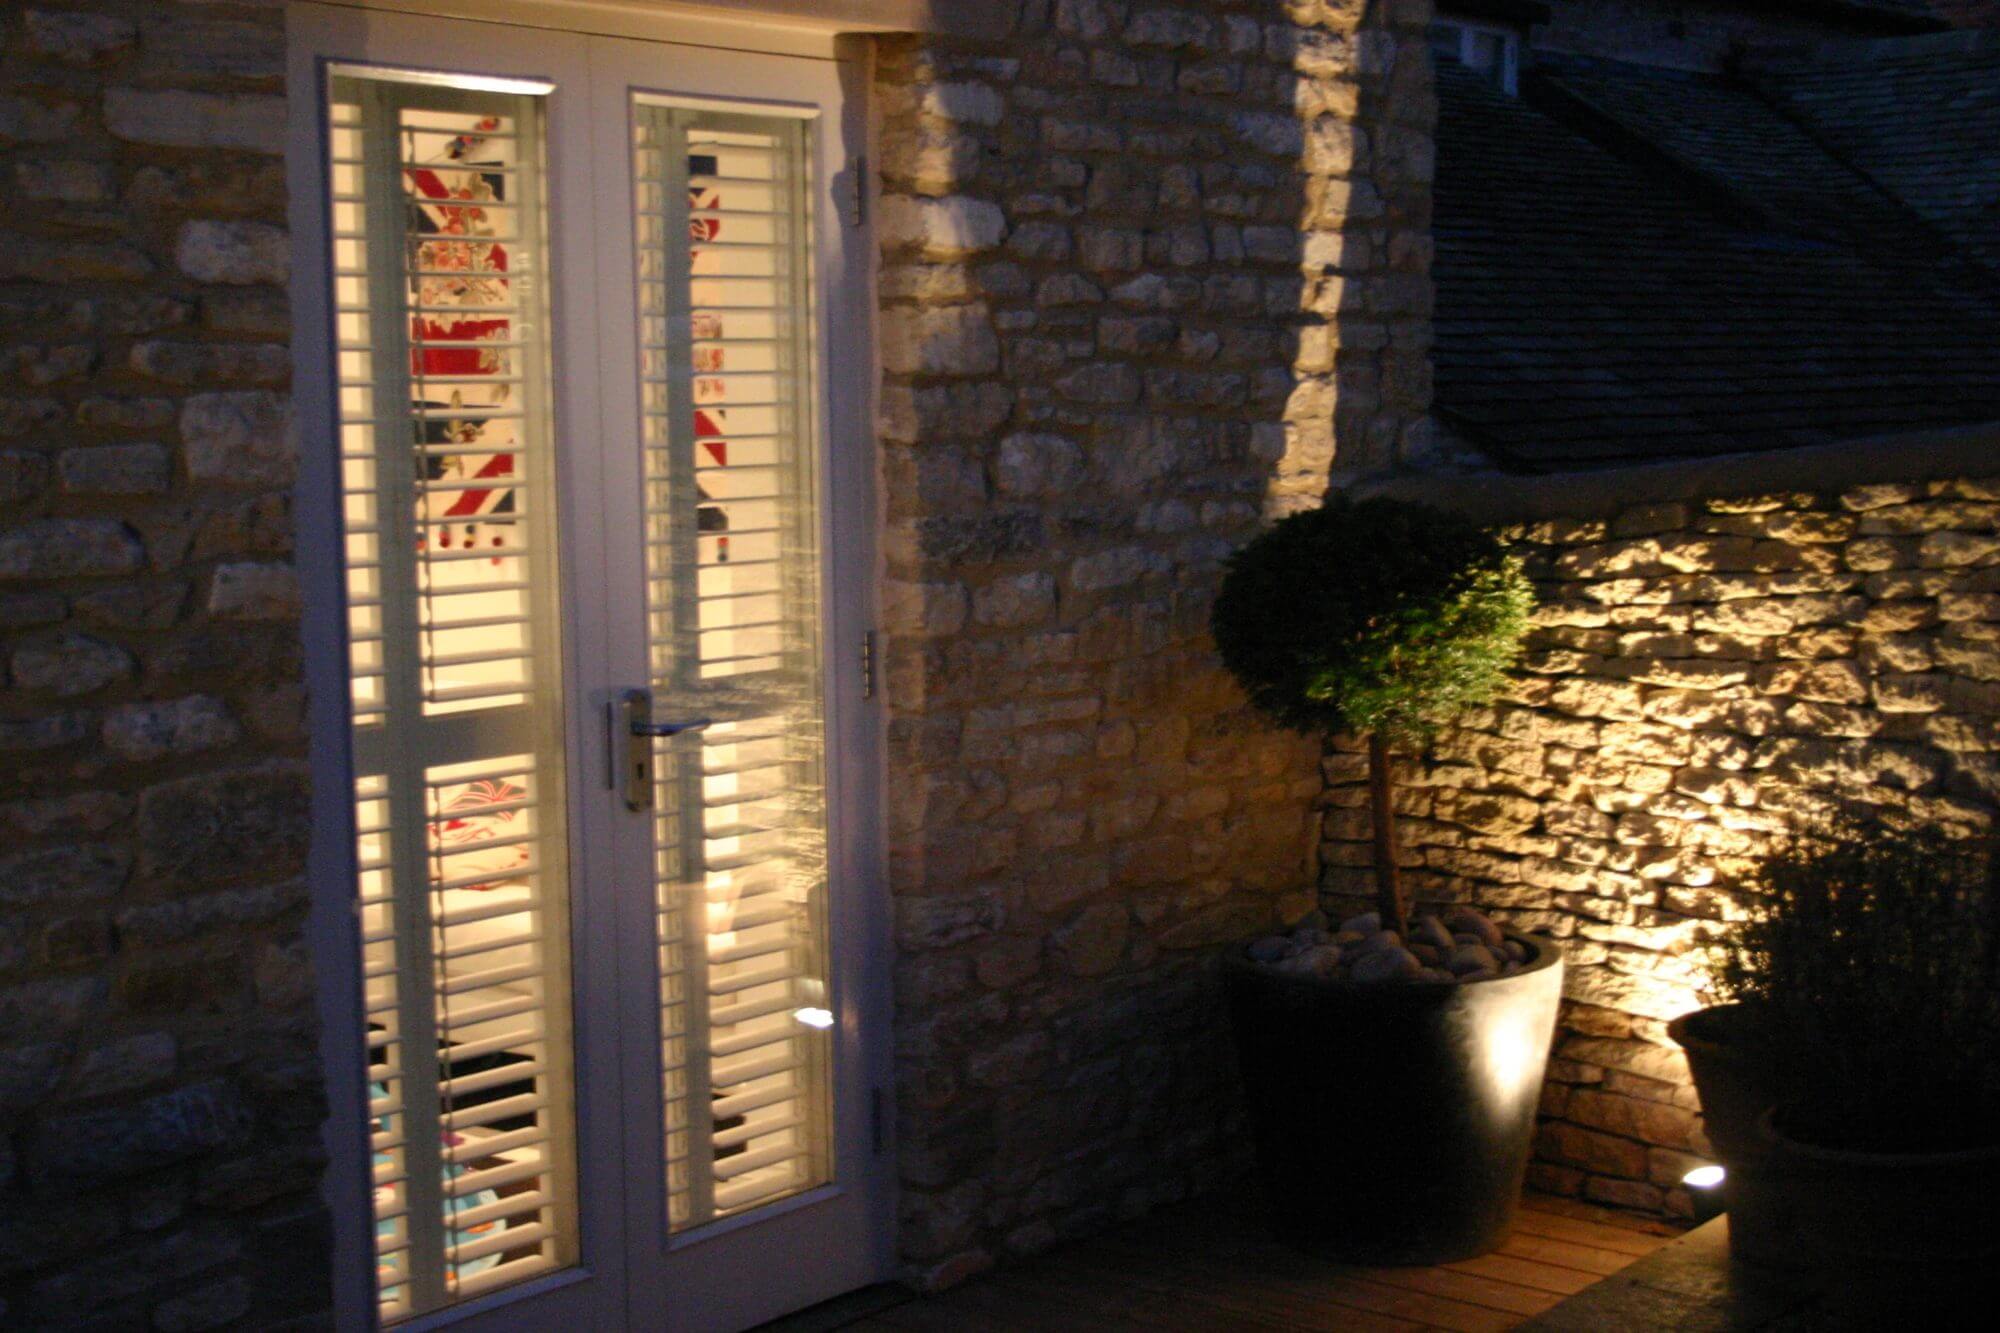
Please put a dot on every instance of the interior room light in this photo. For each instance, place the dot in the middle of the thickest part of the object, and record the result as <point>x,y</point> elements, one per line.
<point>814,1017</point>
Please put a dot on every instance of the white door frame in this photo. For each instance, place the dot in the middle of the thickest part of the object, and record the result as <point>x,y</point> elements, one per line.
<point>858,916</point>
<point>319,36</point>
<point>713,1267</point>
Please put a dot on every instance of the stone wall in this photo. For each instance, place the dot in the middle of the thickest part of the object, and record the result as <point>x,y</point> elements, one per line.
<point>1149,273</point>
<point>1704,673</point>
<point>159,1079</point>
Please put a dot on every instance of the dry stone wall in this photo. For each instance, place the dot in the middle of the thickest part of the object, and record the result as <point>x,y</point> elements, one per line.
<point>1149,273</point>
<point>159,1078</point>
<point>1704,674</point>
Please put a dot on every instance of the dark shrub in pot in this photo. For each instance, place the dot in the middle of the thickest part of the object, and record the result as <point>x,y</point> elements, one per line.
<point>1392,1072</point>
<point>1870,967</point>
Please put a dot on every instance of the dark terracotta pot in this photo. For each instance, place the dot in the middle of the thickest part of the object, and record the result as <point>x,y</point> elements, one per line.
<point>1393,1123</point>
<point>1797,1206</point>
<point>1738,1075</point>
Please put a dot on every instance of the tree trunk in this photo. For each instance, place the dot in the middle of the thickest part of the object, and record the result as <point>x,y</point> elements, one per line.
<point>1388,884</point>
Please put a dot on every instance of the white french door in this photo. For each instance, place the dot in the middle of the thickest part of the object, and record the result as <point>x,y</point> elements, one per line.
<point>608,841</point>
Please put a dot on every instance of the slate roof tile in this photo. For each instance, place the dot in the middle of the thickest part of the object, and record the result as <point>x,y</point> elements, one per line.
<point>1712,279</point>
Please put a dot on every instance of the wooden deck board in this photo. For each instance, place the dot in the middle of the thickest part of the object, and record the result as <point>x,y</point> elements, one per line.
<point>1637,1244</point>
<point>1525,1273</point>
<point>1243,1295</point>
<point>1232,1261</point>
<point>1565,1254</point>
<point>1210,1265</point>
<point>1505,1298</point>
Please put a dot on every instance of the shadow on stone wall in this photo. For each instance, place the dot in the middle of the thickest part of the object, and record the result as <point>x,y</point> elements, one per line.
<point>1151,273</point>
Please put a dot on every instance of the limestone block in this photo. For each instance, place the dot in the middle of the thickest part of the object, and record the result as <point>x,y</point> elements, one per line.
<point>1115,568</point>
<point>1955,549</point>
<point>213,826</point>
<point>1898,617</point>
<point>1874,554</point>
<point>1970,659</point>
<point>1169,28</point>
<point>78,39</point>
<point>1931,516</point>
<point>1590,1150</point>
<point>234,252</point>
<point>1648,1120</point>
<point>68,548</point>
<point>955,226</point>
<point>126,1064</point>
<point>208,1305</point>
<point>1880,496</point>
<point>178,119</point>
<point>944,340</point>
<point>1017,600</point>
<point>34,120</point>
<point>254,590</point>
<point>1828,682</point>
<point>972,103</point>
<point>190,917</point>
<point>69,665</point>
<point>116,469</point>
<point>239,438</point>
<point>95,1146</point>
<point>65,181</point>
<point>924,609</point>
<point>147,731</point>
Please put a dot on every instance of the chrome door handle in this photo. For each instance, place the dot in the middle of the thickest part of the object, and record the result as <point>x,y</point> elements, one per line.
<point>671,728</point>
<point>632,731</point>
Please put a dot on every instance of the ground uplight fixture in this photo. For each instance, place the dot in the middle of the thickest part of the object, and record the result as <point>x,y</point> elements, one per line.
<point>1704,1187</point>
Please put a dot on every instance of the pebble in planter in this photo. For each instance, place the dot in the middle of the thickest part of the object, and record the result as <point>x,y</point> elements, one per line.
<point>1462,945</point>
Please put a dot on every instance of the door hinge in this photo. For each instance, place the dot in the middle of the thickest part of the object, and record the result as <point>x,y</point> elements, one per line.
<point>868,665</point>
<point>851,188</point>
<point>878,1126</point>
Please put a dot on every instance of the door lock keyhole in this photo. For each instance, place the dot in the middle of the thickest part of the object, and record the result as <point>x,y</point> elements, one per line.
<point>633,732</point>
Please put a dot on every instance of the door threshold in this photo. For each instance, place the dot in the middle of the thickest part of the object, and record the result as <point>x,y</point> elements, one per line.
<point>842,1311</point>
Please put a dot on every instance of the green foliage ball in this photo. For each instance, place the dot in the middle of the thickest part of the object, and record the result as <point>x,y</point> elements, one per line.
<point>1375,615</point>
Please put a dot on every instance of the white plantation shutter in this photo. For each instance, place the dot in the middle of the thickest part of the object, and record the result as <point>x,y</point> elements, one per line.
<point>732,570</point>
<point>441,313</point>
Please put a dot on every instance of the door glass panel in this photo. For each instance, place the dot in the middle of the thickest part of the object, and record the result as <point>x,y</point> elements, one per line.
<point>732,570</point>
<point>445,430</point>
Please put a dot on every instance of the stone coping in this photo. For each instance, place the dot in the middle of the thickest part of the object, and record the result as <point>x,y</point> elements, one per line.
<point>1691,1284</point>
<point>1493,497</point>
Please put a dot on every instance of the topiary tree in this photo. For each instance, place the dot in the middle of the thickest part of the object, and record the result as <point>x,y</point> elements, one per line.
<point>1380,617</point>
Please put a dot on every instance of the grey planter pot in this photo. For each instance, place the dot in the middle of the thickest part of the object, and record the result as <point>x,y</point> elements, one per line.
<point>1796,1206</point>
<point>1393,1123</point>
<point>1738,1077</point>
